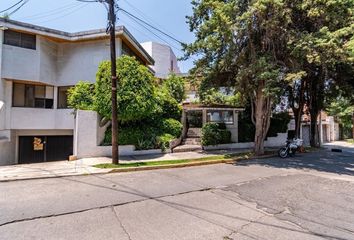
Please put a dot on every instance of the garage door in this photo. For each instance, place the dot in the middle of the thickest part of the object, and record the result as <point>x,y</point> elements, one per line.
<point>35,149</point>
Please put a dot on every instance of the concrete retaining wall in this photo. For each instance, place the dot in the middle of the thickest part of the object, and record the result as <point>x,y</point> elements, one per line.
<point>88,136</point>
<point>271,142</point>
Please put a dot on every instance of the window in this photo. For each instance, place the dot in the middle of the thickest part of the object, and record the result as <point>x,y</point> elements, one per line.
<point>63,96</point>
<point>34,96</point>
<point>19,39</point>
<point>226,117</point>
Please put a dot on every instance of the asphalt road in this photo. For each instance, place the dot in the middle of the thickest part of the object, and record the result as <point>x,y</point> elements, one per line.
<point>306,197</point>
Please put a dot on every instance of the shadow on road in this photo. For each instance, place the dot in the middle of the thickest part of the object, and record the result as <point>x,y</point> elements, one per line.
<point>323,161</point>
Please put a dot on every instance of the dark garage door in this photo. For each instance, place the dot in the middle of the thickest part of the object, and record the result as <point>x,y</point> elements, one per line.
<point>36,149</point>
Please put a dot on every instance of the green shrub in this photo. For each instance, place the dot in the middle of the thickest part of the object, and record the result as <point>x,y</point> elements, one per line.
<point>175,85</point>
<point>168,106</point>
<point>81,96</point>
<point>164,141</point>
<point>172,127</point>
<point>278,124</point>
<point>146,134</point>
<point>225,136</point>
<point>213,135</point>
<point>136,94</point>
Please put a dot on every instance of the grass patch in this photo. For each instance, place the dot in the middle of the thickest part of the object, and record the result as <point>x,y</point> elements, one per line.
<point>180,161</point>
<point>350,141</point>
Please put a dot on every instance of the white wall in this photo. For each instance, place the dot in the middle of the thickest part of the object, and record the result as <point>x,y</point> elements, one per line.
<point>38,118</point>
<point>21,63</point>
<point>87,135</point>
<point>7,150</point>
<point>80,61</point>
<point>163,55</point>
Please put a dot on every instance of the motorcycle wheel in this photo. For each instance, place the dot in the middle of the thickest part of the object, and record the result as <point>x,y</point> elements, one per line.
<point>283,152</point>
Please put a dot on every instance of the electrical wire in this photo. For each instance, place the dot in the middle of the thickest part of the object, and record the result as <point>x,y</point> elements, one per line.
<point>67,14</point>
<point>51,12</point>
<point>12,6</point>
<point>142,14</point>
<point>17,9</point>
<point>151,26</point>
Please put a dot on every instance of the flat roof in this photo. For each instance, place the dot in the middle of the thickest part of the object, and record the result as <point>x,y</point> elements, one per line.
<point>197,106</point>
<point>62,36</point>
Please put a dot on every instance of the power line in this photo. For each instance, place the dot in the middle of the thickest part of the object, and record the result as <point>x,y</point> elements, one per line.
<point>12,6</point>
<point>151,26</point>
<point>51,12</point>
<point>142,14</point>
<point>69,13</point>
<point>14,11</point>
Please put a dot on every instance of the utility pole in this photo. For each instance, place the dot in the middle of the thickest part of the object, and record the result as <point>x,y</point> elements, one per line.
<point>112,31</point>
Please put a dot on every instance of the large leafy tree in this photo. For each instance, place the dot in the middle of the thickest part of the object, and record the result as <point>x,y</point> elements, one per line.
<point>265,45</point>
<point>137,93</point>
<point>242,42</point>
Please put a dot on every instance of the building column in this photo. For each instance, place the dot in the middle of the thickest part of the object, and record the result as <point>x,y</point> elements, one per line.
<point>236,124</point>
<point>2,86</point>
<point>204,116</point>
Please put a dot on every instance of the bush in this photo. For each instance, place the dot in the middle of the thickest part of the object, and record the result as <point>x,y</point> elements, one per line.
<point>168,106</point>
<point>175,85</point>
<point>278,124</point>
<point>164,141</point>
<point>81,96</point>
<point>213,135</point>
<point>172,127</point>
<point>225,136</point>
<point>136,94</point>
<point>146,134</point>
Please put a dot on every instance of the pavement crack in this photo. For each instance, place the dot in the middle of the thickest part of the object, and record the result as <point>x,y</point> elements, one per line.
<point>145,198</point>
<point>120,223</point>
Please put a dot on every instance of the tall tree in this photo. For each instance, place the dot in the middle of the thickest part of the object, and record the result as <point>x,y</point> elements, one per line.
<point>242,39</point>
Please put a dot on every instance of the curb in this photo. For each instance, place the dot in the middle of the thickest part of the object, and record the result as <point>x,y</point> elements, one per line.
<point>190,164</point>
<point>147,168</point>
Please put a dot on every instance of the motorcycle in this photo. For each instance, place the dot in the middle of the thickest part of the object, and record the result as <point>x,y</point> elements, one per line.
<point>290,148</point>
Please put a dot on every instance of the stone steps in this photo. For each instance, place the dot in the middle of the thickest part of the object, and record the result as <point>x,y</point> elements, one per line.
<point>188,148</point>
<point>191,141</point>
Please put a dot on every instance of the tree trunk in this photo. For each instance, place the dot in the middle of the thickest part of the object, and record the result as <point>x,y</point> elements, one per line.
<point>353,125</point>
<point>314,139</point>
<point>262,114</point>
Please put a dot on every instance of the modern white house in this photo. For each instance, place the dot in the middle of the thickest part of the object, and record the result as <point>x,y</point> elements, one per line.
<point>164,57</point>
<point>37,66</point>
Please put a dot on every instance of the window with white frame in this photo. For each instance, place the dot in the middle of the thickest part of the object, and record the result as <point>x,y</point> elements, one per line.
<point>221,116</point>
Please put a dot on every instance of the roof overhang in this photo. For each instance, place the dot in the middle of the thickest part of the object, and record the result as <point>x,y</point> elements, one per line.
<point>61,36</point>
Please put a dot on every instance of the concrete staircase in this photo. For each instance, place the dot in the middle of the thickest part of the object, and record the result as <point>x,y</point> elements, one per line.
<point>192,142</point>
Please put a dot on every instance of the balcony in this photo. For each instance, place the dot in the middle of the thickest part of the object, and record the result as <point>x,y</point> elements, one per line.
<point>39,118</point>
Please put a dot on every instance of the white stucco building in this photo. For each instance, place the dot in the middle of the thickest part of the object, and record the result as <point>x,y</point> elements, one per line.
<point>37,66</point>
<point>164,57</point>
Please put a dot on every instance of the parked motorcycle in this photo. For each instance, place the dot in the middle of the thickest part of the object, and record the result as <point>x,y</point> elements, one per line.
<point>290,148</point>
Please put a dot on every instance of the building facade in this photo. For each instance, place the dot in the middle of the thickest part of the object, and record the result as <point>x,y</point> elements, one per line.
<point>164,57</point>
<point>37,66</point>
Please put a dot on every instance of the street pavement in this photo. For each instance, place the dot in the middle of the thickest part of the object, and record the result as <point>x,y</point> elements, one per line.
<point>310,196</point>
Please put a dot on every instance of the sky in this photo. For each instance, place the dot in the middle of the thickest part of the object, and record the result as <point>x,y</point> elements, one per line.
<point>72,16</point>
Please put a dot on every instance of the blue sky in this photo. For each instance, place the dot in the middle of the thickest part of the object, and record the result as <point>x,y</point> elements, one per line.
<point>71,15</point>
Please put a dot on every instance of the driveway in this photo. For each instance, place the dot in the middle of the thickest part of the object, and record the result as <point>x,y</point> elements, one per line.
<point>306,197</point>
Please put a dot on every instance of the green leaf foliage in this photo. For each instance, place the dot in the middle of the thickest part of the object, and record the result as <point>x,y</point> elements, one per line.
<point>175,85</point>
<point>214,134</point>
<point>136,91</point>
<point>81,96</point>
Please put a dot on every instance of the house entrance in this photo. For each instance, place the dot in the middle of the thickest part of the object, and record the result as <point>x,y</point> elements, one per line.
<point>36,149</point>
<point>194,119</point>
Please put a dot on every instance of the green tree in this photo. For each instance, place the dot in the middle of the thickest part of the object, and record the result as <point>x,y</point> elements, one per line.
<point>265,45</point>
<point>81,96</point>
<point>175,85</point>
<point>243,40</point>
<point>342,108</point>
<point>137,97</point>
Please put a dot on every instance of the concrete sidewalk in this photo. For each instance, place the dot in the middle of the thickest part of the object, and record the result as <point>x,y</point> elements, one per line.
<point>343,145</point>
<point>85,166</point>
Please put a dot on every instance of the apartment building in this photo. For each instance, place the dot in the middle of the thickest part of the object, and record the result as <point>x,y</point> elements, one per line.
<point>165,59</point>
<point>37,66</point>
